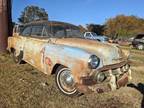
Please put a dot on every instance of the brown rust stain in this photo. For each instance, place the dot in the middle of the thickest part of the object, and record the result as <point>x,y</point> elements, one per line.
<point>35,55</point>
<point>107,52</point>
<point>48,61</point>
<point>80,69</point>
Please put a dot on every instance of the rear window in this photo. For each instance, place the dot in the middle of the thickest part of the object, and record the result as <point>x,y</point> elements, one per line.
<point>26,31</point>
<point>36,31</point>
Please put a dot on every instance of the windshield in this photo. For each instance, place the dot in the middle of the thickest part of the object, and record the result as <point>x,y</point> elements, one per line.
<point>106,39</point>
<point>53,30</point>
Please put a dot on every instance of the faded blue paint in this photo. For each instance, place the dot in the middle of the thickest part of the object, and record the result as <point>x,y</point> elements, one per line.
<point>65,54</point>
<point>64,51</point>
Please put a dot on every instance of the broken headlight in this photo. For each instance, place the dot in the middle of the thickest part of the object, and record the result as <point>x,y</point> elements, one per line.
<point>93,62</point>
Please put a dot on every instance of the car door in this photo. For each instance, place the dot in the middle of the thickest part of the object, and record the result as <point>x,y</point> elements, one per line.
<point>34,46</point>
<point>20,39</point>
<point>88,36</point>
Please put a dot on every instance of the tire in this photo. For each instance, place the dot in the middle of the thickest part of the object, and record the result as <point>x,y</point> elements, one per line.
<point>140,46</point>
<point>63,75</point>
<point>17,59</point>
<point>98,40</point>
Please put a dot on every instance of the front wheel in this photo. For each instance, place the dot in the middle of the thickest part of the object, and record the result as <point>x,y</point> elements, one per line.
<point>65,82</point>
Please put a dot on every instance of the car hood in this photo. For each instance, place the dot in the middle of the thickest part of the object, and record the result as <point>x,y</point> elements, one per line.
<point>108,53</point>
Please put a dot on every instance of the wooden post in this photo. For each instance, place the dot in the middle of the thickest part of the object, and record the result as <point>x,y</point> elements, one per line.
<point>5,23</point>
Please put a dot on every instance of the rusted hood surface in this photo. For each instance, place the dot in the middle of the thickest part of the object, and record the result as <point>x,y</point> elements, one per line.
<point>108,53</point>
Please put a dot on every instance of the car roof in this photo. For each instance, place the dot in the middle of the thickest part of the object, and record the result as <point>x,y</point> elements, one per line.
<point>52,23</point>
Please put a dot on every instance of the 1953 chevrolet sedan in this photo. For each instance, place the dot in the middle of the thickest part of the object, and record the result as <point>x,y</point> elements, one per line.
<point>80,65</point>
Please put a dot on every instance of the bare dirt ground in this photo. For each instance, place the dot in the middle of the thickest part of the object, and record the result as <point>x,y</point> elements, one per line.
<point>22,86</point>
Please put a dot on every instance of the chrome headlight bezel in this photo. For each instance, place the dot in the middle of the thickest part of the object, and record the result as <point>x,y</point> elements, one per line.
<point>93,62</point>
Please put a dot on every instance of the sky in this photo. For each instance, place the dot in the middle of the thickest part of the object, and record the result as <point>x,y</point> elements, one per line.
<point>82,12</point>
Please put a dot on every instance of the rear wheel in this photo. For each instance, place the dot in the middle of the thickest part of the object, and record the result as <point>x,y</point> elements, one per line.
<point>65,82</point>
<point>140,46</point>
<point>17,58</point>
<point>98,40</point>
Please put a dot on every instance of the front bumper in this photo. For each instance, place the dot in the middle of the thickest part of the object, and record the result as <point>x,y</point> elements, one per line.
<point>115,78</point>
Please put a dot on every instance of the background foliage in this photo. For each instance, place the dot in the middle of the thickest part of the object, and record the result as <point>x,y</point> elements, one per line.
<point>32,13</point>
<point>121,26</point>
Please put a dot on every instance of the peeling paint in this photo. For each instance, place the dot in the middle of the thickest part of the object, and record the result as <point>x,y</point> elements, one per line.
<point>73,53</point>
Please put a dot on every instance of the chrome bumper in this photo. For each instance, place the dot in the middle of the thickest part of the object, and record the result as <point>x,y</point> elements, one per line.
<point>112,82</point>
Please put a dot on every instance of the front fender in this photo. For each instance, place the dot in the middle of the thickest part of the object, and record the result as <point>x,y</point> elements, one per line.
<point>74,58</point>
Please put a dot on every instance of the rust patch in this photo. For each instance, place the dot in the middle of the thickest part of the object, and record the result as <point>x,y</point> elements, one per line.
<point>48,61</point>
<point>113,66</point>
<point>72,53</point>
<point>87,81</point>
<point>122,81</point>
<point>42,52</point>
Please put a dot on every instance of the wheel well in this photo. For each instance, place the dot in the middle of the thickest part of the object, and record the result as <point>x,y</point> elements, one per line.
<point>12,49</point>
<point>21,52</point>
<point>55,68</point>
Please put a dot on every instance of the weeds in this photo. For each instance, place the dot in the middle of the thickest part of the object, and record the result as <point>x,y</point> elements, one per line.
<point>22,86</point>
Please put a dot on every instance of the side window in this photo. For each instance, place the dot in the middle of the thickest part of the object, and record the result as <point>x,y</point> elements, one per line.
<point>36,30</point>
<point>88,35</point>
<point>15,29</point>
<point>69,32</point>
<point>44,32</point>
<point>26,31</point>
<point>58,31</point>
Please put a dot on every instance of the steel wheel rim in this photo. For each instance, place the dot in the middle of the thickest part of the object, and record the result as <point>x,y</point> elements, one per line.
<point>66,81</point>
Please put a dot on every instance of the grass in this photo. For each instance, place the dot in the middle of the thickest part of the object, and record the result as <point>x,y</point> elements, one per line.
<point>22,86</point>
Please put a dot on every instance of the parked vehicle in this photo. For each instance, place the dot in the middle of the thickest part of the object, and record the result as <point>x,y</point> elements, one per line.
<point>94,36</point>
<point>138,42</point>
<point>122,42</point>
<point>80,65</point>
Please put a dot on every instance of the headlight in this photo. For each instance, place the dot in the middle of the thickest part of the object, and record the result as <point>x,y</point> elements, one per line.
<point>100,77</point>
<point>125,68</point>
<point>93,62</point>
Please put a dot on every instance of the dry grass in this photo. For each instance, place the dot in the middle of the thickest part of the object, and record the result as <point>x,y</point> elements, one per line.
<point>22,86</point>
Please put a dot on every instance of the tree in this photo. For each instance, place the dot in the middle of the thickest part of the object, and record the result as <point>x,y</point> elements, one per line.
<point>82,29</point>
<point>99,29</point>
<point>123,26</point>
<point>32,13</point>
<point>5,23</point>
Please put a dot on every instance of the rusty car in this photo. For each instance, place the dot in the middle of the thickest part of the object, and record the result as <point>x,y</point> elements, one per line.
<point>80,66</point>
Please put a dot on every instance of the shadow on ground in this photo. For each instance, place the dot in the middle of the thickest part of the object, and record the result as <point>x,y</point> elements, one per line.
<point>140,88</point>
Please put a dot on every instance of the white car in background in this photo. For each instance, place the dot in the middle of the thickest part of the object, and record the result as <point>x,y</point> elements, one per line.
<point>94,36</point>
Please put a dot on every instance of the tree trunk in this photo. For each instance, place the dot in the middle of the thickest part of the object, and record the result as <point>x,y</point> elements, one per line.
<point>5,23</point>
